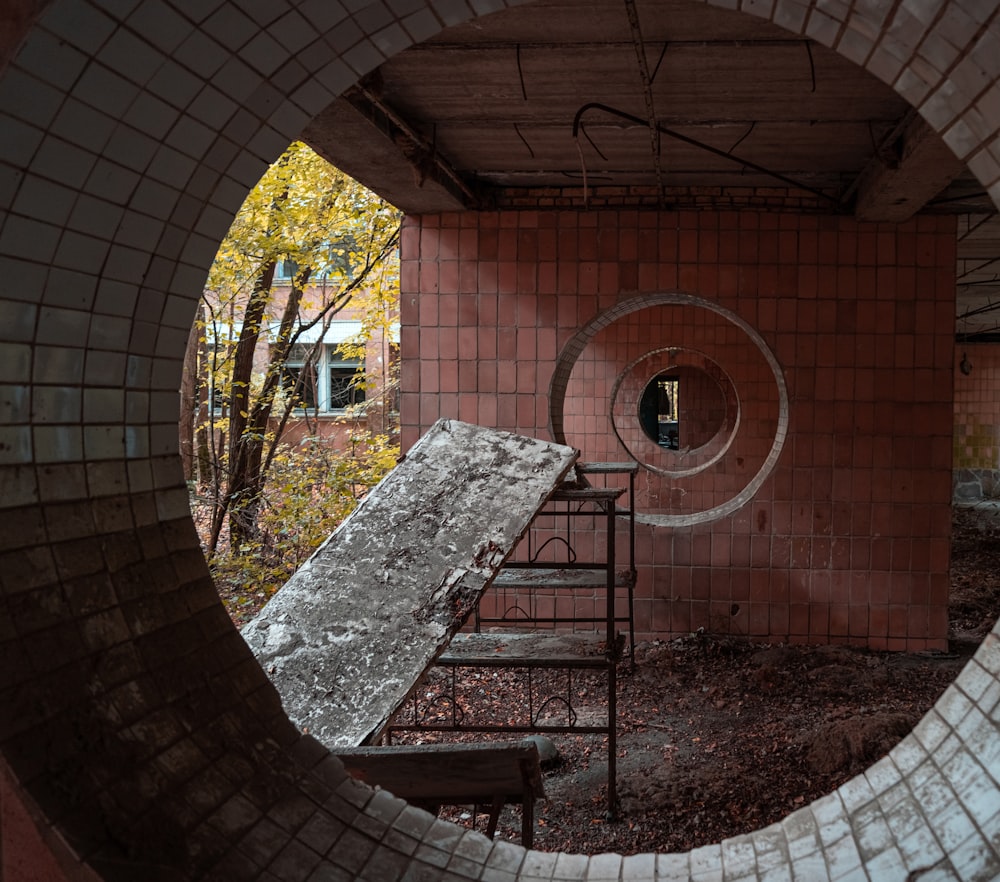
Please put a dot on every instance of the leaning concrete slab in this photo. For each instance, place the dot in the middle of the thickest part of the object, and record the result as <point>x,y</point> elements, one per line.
<point>350,634</point>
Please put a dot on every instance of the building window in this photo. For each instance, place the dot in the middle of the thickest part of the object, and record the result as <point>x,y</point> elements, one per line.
<point>301,381</point>
<point>286,269</point>
<point>347,385</point>
<point>328,385</point>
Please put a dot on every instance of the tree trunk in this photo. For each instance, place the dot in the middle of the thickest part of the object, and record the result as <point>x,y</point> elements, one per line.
<point>247,478</point>
<point>189,403</point>
<point>208,472</point>
<point>237,483</point>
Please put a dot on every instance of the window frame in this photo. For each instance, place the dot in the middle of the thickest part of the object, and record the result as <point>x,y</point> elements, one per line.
<point>328,360</point>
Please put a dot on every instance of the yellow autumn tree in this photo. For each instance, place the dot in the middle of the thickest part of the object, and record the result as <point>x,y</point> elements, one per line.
<point>340,240</point>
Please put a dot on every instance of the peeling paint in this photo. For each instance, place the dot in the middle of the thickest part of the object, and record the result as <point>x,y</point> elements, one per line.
<point>348,636</point>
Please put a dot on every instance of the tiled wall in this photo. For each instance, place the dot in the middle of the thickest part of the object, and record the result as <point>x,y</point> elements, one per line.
<point>977,420</point>
<point>847,539</point>
<point>135,724</point>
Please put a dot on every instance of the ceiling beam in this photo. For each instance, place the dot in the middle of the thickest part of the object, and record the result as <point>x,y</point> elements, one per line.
<point>600,45</point>
<point>905,174</point>
<point>395,161</point>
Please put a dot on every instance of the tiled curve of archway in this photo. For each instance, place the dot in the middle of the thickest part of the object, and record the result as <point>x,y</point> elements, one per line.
<point>132,716</point>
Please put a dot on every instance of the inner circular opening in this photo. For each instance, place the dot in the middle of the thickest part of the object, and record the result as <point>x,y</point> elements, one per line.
<point>682,409</point>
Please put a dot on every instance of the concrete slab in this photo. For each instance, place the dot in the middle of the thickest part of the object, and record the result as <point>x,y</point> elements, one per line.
<point>348,636</point>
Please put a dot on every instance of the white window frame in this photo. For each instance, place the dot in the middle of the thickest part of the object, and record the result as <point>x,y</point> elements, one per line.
<point>328,358</point>
<point>285,270</point>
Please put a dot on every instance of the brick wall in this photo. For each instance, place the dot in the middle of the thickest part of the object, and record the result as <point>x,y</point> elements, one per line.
<point>846,538</point>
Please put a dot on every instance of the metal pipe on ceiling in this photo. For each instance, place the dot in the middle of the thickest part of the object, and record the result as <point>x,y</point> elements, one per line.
<point>670,133</point>
<point>647,91</point>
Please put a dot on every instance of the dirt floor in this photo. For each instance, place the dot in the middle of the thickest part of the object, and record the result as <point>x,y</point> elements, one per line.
<point>720,737</point>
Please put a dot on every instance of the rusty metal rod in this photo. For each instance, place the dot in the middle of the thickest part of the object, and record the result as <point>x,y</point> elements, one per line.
<point>670,133</point>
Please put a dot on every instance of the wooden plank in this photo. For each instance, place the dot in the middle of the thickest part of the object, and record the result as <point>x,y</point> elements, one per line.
<point>596,494</point>
<point>532,576</point>
<point>349,635</point>
<point>449,773</point>
<point>456,774</point>
<point>607,468</point>
<point>542,649</point>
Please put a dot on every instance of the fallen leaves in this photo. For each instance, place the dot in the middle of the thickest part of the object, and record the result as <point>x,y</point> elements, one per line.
<point>705,753</point>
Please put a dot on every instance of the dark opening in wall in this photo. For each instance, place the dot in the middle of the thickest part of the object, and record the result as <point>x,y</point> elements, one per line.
<point>659,410</point>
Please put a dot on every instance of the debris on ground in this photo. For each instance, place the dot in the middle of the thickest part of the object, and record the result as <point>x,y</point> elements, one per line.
<point>719,737</point>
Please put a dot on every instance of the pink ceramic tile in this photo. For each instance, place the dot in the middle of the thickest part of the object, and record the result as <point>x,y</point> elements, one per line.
<point>836,302</point>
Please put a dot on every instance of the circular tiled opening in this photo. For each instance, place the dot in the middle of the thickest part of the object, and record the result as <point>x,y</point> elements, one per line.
<point>737,411</point>
<point>675,411</point>
<point>98,535</point>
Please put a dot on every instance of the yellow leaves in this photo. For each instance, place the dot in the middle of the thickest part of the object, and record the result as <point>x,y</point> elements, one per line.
<point>305,210</point>
<point>334,241</point>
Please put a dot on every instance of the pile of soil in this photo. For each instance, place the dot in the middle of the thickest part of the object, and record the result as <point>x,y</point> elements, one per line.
<point>718,737</point>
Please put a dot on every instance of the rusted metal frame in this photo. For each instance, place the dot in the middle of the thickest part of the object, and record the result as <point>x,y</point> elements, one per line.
<point>609,728</point>
<point>612,813</point>
<point>527,616</point>
<point>565,701</point>
<point>457,714</point>
<point>531,699</point>
<point>496,729</point>
<point>558,620</point>
<point>593,662</point>
<point>562,565</point>
<point>530,617</point>
<point>568,513</point>
<point>701,145</point>
<point>533,556</point>
<point>631,469</point>
<point>459,724</point>
<point>587,504</point>
<point>611,511</point>
<point>630,591</point>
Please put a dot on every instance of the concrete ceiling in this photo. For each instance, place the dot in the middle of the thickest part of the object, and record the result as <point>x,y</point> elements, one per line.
<point>662,94</point>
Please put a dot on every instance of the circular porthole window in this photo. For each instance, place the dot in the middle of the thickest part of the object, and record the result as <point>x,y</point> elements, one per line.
<point>689,390</point>
<point>682,409</point>
<point>675,411</point>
